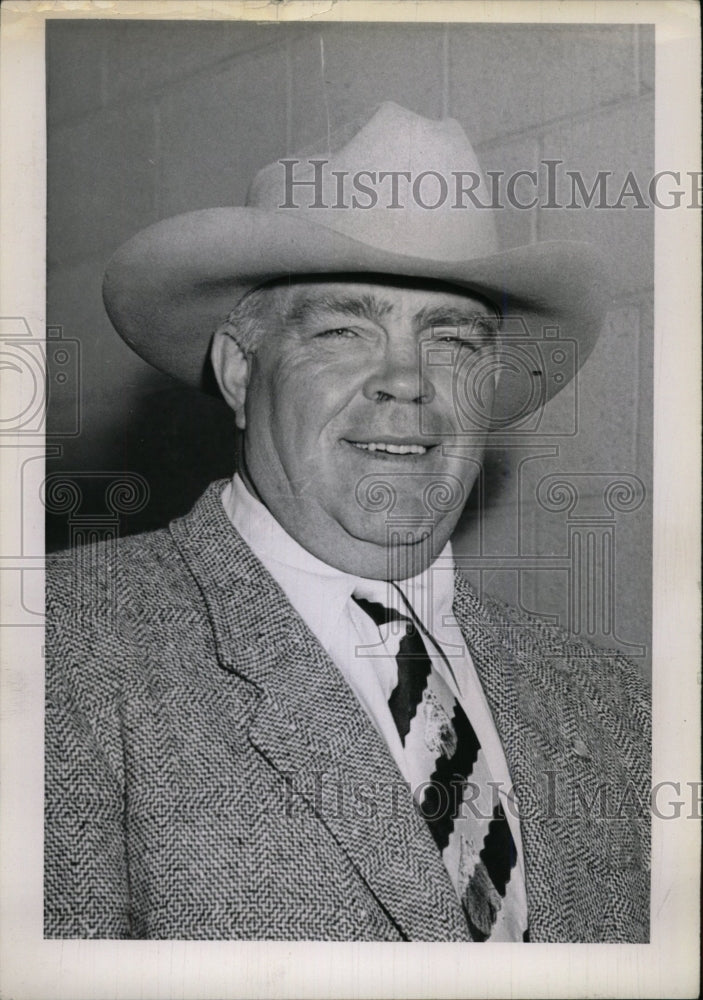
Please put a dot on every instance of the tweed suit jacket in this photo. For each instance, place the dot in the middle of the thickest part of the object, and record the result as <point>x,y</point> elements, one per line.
<point>209,773</point>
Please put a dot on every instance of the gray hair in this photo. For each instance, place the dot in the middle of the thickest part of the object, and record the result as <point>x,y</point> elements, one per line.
<point>249,319</point>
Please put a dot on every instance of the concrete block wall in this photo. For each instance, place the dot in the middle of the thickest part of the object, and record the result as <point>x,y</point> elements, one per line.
<point>147,120</point>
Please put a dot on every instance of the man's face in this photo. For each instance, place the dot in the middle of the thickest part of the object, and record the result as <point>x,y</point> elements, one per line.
<point>353,438</point>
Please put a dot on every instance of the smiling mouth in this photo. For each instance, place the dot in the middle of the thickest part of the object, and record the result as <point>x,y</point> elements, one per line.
<point>389,448</point>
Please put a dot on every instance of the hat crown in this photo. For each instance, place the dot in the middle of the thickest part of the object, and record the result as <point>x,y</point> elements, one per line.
<point>173,283</point>
<point>401,183</point>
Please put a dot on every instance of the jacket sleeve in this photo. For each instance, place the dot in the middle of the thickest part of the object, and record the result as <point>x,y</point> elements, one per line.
<point>86,878</point>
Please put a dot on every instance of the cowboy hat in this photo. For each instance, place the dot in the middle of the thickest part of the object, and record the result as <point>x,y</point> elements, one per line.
<point>396,199</point>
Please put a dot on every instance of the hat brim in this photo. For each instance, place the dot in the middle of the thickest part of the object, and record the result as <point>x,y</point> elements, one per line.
<point>174,283</point>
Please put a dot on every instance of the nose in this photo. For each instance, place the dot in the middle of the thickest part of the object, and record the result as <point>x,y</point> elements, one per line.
<point>399,376</point>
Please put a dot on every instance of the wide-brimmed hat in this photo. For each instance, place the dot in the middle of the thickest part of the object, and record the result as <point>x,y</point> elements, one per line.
<point>398,198</point>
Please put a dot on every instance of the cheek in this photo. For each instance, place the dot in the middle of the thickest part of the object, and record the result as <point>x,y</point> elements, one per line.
<point>465,391</point>
<point>306,396</point>
<point>290,415</point>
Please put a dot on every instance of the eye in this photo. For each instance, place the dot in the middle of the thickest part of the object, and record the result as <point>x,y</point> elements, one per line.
<point>474,335</point>
<point>462,341</point>
<point>461,336</point>
<point>338,332</point>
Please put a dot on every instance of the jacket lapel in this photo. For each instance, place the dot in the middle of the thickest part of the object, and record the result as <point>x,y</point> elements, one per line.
<point>525,734</point>
<point>310,727</point>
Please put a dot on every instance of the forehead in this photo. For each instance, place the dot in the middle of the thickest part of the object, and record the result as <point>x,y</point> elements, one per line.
<point>378,299</point>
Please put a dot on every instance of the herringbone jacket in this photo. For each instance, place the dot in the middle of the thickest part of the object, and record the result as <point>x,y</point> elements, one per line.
<point>209,774</point>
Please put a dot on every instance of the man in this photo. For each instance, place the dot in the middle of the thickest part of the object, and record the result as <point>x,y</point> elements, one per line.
<point>287,716</point>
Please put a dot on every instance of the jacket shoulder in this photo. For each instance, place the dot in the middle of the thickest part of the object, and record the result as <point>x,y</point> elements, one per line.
<point>131,574</point>
<point>548,658</point>
<point>109,604</point>
<point>139,555</point>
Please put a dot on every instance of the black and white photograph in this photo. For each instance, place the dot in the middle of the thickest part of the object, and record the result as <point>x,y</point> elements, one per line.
<point>339,541</point>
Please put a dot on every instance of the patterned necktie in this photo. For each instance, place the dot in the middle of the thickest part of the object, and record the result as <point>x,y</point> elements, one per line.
<point>452,786</point>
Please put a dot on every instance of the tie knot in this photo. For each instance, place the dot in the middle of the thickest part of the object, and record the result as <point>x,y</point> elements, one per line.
<point>379,612</point>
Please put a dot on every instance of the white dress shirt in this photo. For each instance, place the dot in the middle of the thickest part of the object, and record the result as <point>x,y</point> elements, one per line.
<point>322,594</point>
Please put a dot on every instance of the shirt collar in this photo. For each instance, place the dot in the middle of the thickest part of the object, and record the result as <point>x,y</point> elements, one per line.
<point>320,592</point>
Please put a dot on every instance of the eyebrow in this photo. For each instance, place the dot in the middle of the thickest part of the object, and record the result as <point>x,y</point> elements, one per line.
<point>455,316</point>
<point>356,306</point>
<point>375,309</point>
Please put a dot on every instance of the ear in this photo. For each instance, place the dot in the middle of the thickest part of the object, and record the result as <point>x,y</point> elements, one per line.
<point>231,367</point>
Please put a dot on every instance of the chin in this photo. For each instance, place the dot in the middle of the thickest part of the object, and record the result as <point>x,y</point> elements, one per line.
<point>384,547</point>
<point>384,529</point>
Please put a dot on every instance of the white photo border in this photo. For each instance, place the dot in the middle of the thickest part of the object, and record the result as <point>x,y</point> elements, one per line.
<point>36,968</point>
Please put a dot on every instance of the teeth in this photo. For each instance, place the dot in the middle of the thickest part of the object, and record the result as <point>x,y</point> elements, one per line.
<point>393,449</point>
